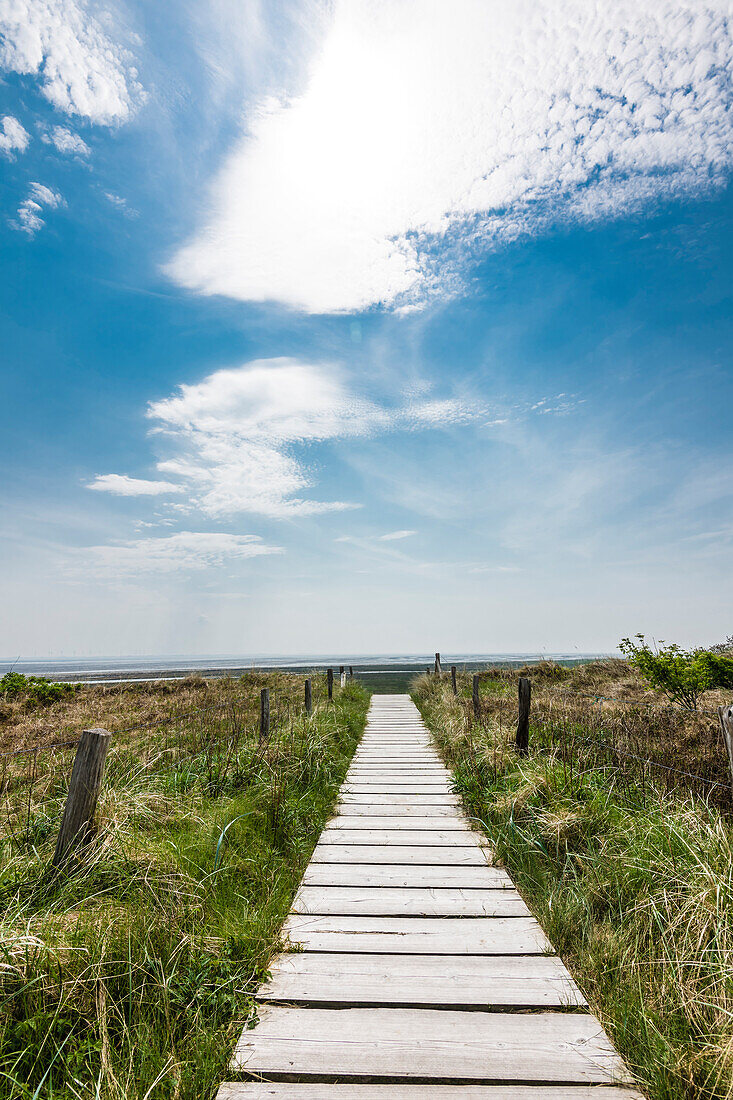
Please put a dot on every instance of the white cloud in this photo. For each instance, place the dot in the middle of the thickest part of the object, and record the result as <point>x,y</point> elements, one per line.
<point>186,550</point>
<point>83,71</point>
<point>120,204</point>
<point>125,486</point>
<point>30,210</point>
<point>426,125</point>
<point>67,142</point>
<point>391,536</point>
<point>236,435</point>
<point>13,137</point>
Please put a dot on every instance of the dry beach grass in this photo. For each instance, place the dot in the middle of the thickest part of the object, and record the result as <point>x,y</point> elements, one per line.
<point>628,867</point>
<point>130,976</point>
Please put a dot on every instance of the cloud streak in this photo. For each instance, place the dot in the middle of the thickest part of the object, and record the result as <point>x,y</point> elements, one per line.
<point>124,486</point>
<point>237,438</point>
<point>184,551</point>
<point>428,133</point>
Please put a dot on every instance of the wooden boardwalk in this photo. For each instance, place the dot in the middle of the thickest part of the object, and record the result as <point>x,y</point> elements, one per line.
<point>420,974</point>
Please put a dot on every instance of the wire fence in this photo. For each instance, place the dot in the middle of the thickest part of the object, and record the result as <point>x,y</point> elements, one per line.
<point>212,747</point>
<point>645,743</point>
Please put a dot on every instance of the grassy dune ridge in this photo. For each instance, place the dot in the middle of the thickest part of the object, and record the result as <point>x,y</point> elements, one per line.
<point>131,977</point>
<point>631,878</point>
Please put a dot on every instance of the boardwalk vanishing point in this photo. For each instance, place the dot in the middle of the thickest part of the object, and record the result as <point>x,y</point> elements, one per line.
<point>418,971</point>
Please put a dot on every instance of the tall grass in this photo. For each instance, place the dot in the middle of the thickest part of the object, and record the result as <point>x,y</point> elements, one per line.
<point>131,977</point>
<point>632,881</point>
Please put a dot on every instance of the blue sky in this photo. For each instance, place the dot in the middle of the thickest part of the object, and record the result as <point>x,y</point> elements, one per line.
<point>364,327</point>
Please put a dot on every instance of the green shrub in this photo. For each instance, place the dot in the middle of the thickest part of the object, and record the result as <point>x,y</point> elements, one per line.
<point>683,675</point>
<point>14,685</point>
<point>718,668</point>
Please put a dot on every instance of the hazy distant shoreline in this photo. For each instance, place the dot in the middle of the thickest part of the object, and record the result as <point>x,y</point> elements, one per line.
<point>145,669</point>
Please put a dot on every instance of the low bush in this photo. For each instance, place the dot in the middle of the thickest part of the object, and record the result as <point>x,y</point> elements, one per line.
<point>683,675</point>
<point>34,689</point>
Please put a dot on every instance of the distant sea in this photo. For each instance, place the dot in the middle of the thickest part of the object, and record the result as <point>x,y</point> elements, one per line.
<point>380,673</point>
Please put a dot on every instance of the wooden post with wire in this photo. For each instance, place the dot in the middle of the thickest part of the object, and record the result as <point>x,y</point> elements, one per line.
<point>726,725</point>
<point>77,823</point>
<point>475,697</point>
<point>329,680</point>
<point>437,664</point>
<point>264,714</point>
<point>308,698</point>
<point>525,698</point>
<point>453,679</point>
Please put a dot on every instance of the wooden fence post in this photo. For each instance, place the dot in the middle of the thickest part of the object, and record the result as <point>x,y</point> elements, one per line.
<point>525,697</point>
<point>77,823</point>
<point>437,664</point>
<point>453,679</point>
<point>726,724</point>
<point>476,702</point>
<point>264,714</point>
<point>329,678</point>
<point>308,697</point>
<point>351,672</point>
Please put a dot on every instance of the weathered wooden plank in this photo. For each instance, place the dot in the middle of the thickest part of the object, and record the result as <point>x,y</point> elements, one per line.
<point>468,855</point>
<point>273,1090</point>
<point>403,759</point>
<point>379,799</point>
<point>390,874</point>
<point>406,776</point>
<point>395,1043</point>
<point>393,786</point>
<point>395,744</point>
<point>417,935</point>
<point>381,765</point>
<point>411,748</point>
<point>412,902</point>
<point>402,768</point>
<point>375,755</point>
<point>397,759</point>
<point>400,836</point>
<point>451,822</point>
<point>422,772</point>
<point>394,749</point>
<point>404,810</point>
<point>436,981</point>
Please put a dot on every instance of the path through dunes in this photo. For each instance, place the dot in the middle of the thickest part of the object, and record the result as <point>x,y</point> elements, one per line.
<point>420,971</point>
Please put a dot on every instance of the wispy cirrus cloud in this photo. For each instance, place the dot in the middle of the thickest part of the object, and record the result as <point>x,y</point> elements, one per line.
<point>428,132</point>
<point>83,66</point>
<point>66,141</point>
<point>393,536</point>
<point>14,138</point>
<point>125,486</point>
<point>183,551</point>
<point>238,437</point>
<point>39,199</point>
